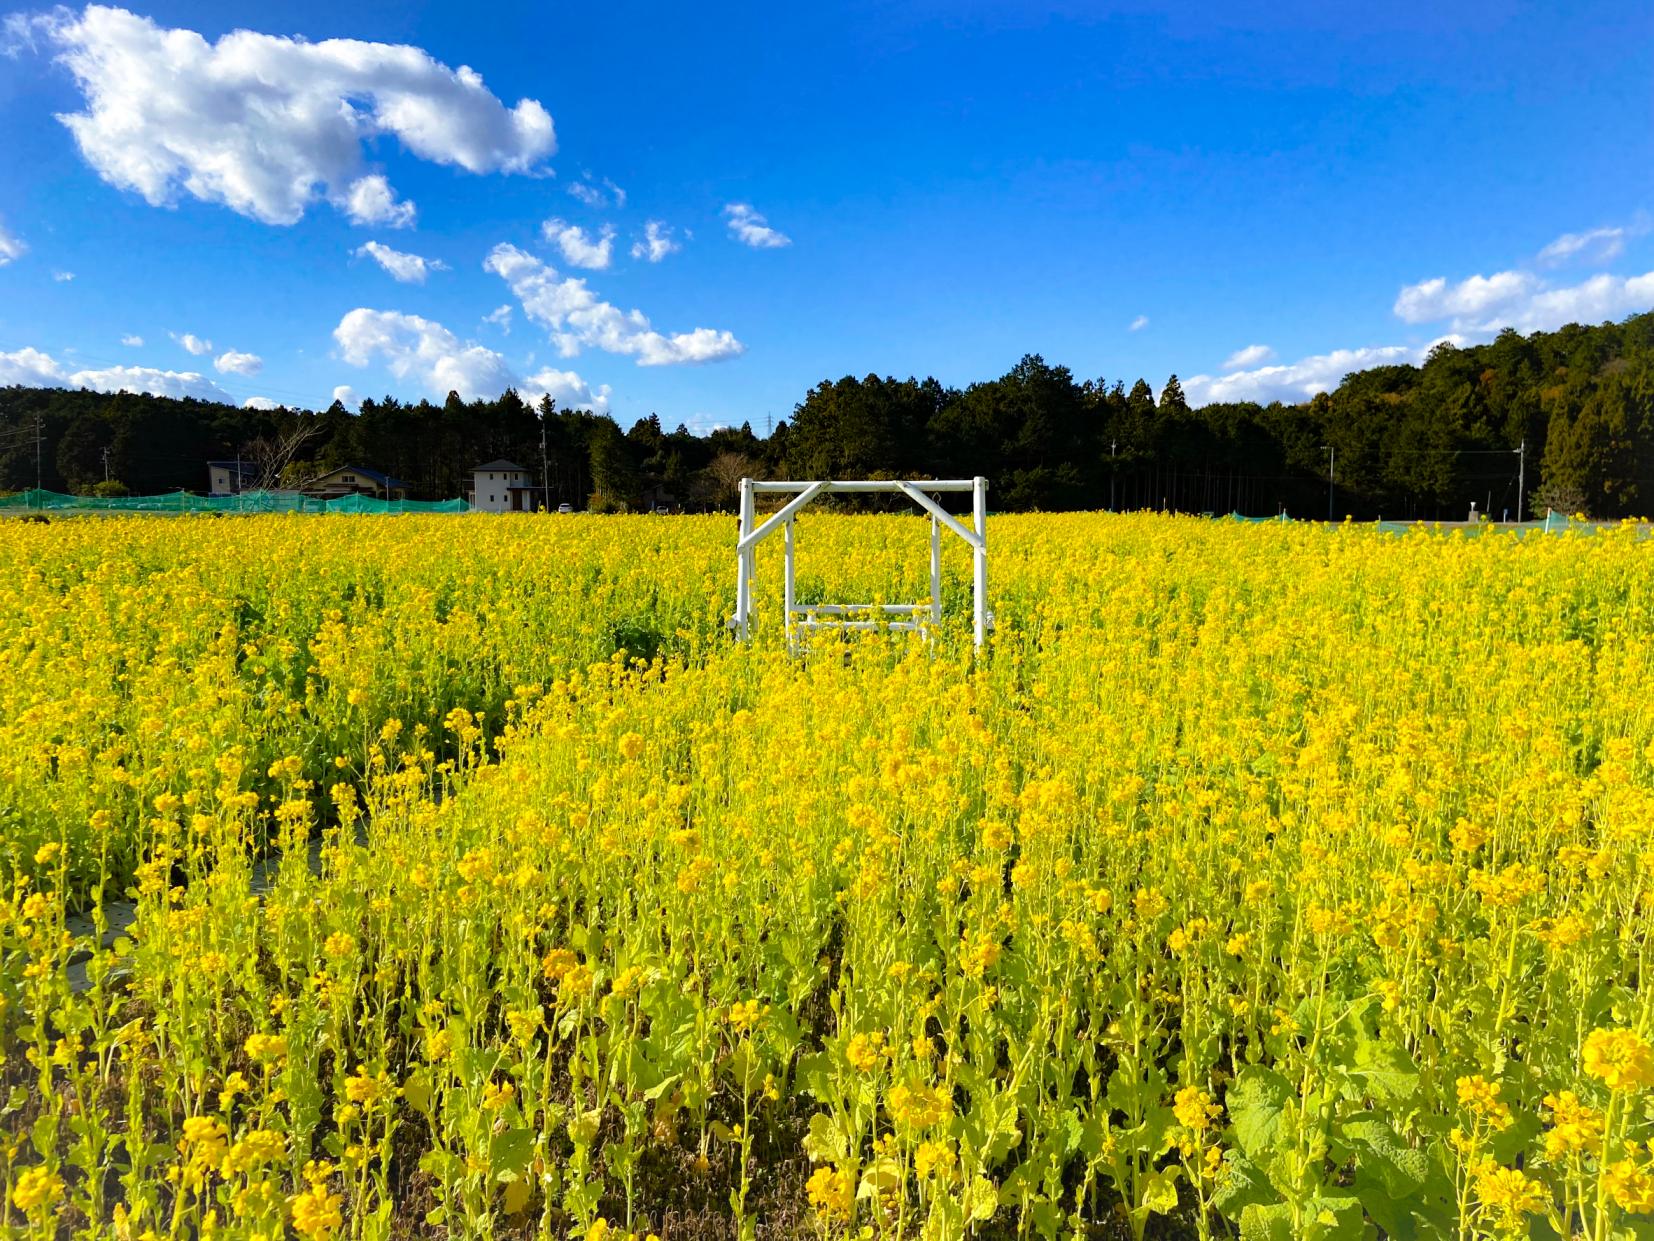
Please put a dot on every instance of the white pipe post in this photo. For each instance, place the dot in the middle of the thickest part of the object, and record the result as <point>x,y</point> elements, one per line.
<point>787,582</point>
<point>979,584</point>
<point>935,571</point>
<point>744,567</point>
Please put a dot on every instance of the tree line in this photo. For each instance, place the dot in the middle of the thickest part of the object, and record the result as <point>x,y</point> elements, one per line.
<point>1564,419</point>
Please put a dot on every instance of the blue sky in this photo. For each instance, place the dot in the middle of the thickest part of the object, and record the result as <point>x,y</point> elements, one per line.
<point>1127,189</point>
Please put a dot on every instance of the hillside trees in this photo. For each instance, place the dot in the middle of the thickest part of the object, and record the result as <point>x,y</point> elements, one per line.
<point>1409,441</point>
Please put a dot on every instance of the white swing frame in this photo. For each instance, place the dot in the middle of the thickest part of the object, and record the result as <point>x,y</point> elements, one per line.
<point>855,615</point>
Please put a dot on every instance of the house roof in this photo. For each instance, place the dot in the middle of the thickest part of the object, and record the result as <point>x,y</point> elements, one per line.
<point>501,464</point>
<point>247,467</point>
<point>377,476</point>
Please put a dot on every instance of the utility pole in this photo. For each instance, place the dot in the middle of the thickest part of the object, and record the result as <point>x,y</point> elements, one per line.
<point>1332,457</point>
<point>106,464</point>
<point>1112,445</point>
<point>1521,476</point>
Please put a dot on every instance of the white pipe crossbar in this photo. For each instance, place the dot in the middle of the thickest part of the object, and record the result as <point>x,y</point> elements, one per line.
<point>781,518</point>
<point>923,616</point>
<point>838,486</point>
<point>845,609</point>
<point>938,513</point>
<point>903,626</point>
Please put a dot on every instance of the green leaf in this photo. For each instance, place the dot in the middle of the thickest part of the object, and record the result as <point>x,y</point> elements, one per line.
<point>1092,1134</point>
<point>1241,1185</point>
<point>824,1144</point>
<point>641,1074</point>
<point>1511,1141</point>
<point>1385,1071</point>
<point>1267,1223</point>
<point>1384,1157</point>
<point>417,1091</point>
<point>1334,1219</point>
<point>1255,1103</point>
<point>981,1200</point>
<point>1159,1195</point>
<point>883,1174</point>
<point>510,1151</point>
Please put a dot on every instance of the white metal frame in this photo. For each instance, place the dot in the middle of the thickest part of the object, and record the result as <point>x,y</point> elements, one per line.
<point>808,616</point>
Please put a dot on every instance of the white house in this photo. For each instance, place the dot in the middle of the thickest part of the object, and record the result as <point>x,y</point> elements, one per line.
<point>228,478</point>
<point>502,487</point>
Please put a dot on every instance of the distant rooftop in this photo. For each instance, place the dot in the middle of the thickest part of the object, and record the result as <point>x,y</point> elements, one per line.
<point>501,464</point>
<point>377,476</point>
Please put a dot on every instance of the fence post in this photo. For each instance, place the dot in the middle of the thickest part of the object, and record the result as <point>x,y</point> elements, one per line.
<point>979,583</point>
<point>745,561</point>
<point>787,592</point>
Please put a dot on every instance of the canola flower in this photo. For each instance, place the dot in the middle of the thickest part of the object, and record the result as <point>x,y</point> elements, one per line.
<point>1259,880</point>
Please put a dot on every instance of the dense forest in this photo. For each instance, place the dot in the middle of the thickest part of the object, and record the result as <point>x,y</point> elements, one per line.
<point>1567,414</point>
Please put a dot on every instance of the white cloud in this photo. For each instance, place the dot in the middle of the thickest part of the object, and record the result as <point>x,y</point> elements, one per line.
<point>1249,356</point>
<point>656,243</point>
<point>192,342</point>
<point>346,396</point>
<point>370,200</point>
<point>425,351</point>
<point>577,317</point>
<point>1469,301</point>
<point>402,266</point>
<point>10,247</point>
<point>1296,381</point>
<point>30,368</point>
<point>594,195</point>
<point>150,380</point>
<point>422,350</point>
<point>1598,244</point>
<point>1592,301</point>
<point>500,317</point>
<point>1482,305</point>
<point>266,125</point>
<point>63,277</point>
<point>259,402</point>
<point>236,363</point>
<point>136,342</point>
<point>579,248</point>
<point>567,389</point>
<point>752,229</point>
<point>1138,324</point>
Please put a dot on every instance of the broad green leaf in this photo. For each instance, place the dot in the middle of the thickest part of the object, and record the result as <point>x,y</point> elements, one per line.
<point>1334,1219</point>
<point>1386,1071</point>
<point>1240,1185</point>
<point>1383,1155</point>
<point>1159,1196</point>
<point>1267,1223</point>
<point>1255,1103</point>
<point>981,1200</point>
<point>509,1152</point>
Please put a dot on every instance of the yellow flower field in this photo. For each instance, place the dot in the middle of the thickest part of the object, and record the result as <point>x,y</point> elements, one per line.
<point>1265,880</point>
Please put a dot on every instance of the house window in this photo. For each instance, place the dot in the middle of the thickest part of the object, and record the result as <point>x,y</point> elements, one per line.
<point>349,478</point>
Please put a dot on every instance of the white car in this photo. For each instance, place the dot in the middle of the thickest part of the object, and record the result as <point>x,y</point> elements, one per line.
<point>565,508</point>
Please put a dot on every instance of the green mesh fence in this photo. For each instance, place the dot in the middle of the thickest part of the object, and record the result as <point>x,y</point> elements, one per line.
<point>40,501</point>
